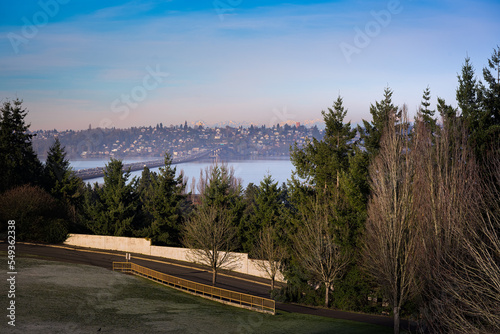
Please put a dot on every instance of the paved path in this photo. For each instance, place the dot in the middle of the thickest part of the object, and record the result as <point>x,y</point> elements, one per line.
<point>227,280</point>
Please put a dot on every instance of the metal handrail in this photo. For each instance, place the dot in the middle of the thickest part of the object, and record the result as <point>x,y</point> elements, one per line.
<point>224,295</point>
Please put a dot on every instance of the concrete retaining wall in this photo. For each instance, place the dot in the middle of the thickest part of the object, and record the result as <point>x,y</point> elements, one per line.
<point>255,268</point>
<point>124,244</point>
<point>239,263</point>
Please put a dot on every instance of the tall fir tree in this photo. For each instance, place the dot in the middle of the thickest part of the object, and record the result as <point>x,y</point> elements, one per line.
<point>165,206</point>
<point>320,163</point>
<point>146,181</point>
<point>466,94</point>
<point>60,181</point>
<point>491,93</point>
<point>371,132</point>
<point>111,209</point>
<point>426,113</point>
<point>335,171</point>
<point>219,187</point>
<point>18,161</point>
<point>480,104</point>
<point>447,112</point>
<point>267,211</point>
<point>490,100</point>
<point>145,189</point>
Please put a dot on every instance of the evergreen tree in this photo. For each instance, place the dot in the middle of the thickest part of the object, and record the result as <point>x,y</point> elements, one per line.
<point>490,99</point>
<point>219,188</point>
<point>59,179</point>
<point>335,172</point>
<point>18,161</point>
<point>249,203</point>
<point>466,94</point>
<point>249,196</point>
<point>480,105</point>
<point>426,113</point>
<point>56,166</point>
<point>491,94</point>
<point>447,112</point>
<point>356,179</point>
<point>320,163</point>
<point>145,189</point>
<point>267,211</point>
<point>165,206</point>
<point>146,182</point>
<point>371,133</point>
<point>60,182</point>
<point>112,207</point>
<point>268,202</point>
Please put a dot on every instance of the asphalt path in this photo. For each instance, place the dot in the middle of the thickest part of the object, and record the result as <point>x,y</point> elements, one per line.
<point>226,280</point>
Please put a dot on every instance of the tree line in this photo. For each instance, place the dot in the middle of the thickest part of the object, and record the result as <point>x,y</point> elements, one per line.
<point>392,216</point>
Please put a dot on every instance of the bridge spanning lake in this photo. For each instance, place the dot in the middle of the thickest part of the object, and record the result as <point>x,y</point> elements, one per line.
<point>246,170</point>
<point>92,173</point>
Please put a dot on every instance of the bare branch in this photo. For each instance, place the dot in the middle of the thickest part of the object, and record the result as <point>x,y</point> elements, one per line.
<point>392,236</point>
<point>211,237</point>
<point>317,248</point>
<point>270,252</point>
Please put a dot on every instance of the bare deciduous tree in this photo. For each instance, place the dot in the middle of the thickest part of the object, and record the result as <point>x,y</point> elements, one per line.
<point>317,248</point>
<point>445,191</point>
<point>458,211</point>
<point>462,248</point>
<point>392,236</point>
<point>270,252</point>
<point>211,236</point>
<point>471,279</point>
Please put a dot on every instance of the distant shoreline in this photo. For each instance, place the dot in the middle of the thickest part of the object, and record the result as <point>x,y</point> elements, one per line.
<point>140,159</point>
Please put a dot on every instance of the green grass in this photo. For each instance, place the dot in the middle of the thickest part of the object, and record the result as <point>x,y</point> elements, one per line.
<point>53,297</point>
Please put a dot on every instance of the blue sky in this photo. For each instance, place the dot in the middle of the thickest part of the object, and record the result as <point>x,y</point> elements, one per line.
<point>122,64</point>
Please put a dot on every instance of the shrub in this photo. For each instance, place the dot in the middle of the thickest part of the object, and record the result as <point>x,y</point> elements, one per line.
<point>39,217</point>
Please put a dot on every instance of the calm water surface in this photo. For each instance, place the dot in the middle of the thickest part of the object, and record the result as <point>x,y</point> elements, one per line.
<point>249,171</point>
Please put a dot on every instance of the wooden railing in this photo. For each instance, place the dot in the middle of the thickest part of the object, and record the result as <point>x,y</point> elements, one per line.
<point>203,290</point>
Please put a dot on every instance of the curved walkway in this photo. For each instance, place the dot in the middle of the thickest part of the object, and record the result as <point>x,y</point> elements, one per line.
<point>198,273</point>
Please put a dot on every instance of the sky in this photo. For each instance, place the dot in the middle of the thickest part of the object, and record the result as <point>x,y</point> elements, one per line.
<point>140,63</point>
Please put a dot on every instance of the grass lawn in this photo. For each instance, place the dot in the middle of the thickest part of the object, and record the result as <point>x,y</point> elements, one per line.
<point>54,297</point>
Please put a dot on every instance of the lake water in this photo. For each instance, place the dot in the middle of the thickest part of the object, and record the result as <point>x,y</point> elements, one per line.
<point>249,171</point>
